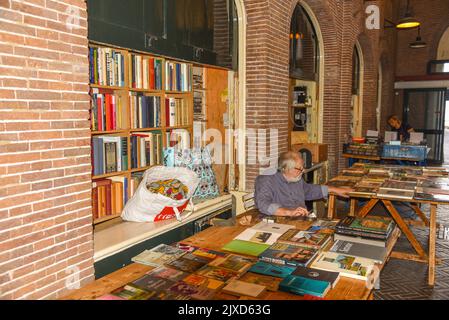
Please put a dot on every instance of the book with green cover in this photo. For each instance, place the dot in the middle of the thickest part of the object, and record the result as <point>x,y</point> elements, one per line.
<point>245,247</point>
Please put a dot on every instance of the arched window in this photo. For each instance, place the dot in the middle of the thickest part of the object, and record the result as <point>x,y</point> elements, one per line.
<point>304,51</point>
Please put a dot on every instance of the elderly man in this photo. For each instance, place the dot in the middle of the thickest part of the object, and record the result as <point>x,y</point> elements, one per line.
<point>285,193</point>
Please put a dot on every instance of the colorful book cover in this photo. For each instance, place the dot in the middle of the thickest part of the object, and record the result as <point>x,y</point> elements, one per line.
<point>315,274</point>
<point>168,273</point>
<point>293,255</point>
<point>264,233</point>
<point>151,283</point>
<point>273,270</point>
<point>201,281</point>
<point>218,273</point>
<point>300,285</point>
<point>305,238</point>
<point>245,247</point>
<point>271,283</point>
<point>348,266</point>
<point>233,262</point>
<point>355,249</point>
<point>159,255</point>
<point>188,263</point>
<point>130,292</point>
<point>197,293</point>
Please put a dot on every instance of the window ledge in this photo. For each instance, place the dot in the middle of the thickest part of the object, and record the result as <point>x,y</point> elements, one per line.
<point>119,237</point>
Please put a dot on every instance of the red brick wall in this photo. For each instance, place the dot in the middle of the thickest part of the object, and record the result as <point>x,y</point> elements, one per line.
<point>45,206</point>
<point>341,24</point>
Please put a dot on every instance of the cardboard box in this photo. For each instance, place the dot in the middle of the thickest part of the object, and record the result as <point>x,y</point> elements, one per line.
<point>318,150</point>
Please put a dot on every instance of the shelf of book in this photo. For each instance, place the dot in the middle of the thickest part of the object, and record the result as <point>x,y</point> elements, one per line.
<point>129,99</point>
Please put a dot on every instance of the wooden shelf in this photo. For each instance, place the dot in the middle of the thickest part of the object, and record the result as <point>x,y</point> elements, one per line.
<point>178,93</point>
<point>106,218</point>
<point>146,129</point>
<point>108,175</point>
<point>179,127</point>
<point>95,133</point>
<point>144,168</point>
<point>147,90</point>
<point>97,86</point>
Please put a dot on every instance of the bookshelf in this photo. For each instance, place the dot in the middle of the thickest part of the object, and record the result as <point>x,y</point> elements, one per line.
<point>137,100</point>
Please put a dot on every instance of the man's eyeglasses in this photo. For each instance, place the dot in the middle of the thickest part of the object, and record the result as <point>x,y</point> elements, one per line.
<point>300,169</point>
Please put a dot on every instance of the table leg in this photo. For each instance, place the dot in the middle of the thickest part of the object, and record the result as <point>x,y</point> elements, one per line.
<point>367,208</point>
<point>432,240</point>
<point>331,207</point>
<point>420,214</point>
<point>403,226</point>
<point>353,207</point>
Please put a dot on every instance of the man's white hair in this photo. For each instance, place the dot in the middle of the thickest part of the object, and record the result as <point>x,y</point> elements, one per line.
<point>287,160</point>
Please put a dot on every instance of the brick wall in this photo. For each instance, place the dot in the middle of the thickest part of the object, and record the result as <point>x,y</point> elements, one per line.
<point>342,23</point>
<point>45,213</point>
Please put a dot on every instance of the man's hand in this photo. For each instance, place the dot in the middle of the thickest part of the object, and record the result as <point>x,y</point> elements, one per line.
<point>341,192</point>
<point>298,212</point>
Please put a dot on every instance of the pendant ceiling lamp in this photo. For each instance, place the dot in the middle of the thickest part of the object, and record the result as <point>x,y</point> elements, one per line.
<point>408,21</point>
<point>418,43</point>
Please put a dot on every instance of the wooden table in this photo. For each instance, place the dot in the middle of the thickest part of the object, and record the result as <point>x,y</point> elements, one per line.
<point>214,238</point>
<point>421,256</point>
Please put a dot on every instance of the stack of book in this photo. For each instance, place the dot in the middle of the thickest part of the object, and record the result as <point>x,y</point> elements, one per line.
<point>176,111</point>
<point>107,67</point>
<point>146,149</point>
<point>145,72</point>
<point>145,111</point>
<point>178,76</point>
<point>108,112</point>
<point>109,196</point>
<point>109,153</point>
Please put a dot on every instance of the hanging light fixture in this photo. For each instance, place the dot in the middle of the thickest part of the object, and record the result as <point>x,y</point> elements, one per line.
<point>408,21</point>
<point>418,43</point>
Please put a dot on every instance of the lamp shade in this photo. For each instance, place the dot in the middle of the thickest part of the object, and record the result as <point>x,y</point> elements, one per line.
<point>418,43</point>
<point>408,22</point>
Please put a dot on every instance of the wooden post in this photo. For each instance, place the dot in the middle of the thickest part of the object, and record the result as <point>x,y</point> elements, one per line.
<point>367,208</point>
<point>331,207</point>
<point>403,226</point>
<point>420,214</point>
<point>353,207</point>
<point>432,240</point>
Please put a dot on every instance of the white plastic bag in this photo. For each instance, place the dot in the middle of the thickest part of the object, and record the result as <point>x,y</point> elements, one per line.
<point>146,206</point>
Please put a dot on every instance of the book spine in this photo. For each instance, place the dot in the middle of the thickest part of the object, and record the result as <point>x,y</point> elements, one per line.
<point>362,234</point>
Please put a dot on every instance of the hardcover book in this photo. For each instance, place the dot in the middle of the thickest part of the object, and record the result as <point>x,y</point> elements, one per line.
<point>271,283</point>
<point>197,293</point>
<point>305,238</point>
<point>188,263</point>
<point>263,232</point>
<point>241,288</point>
<point>348,266</point>
<point>168,273</point>
<point>376,253</point>
<point>201,281</point>
<point>270,269</point>
<point>369,224</point>
<point>159,255</point>
<point>245,247</point>
<point>315,274</point>
<point>233,262</point>
<point>301,286</point>
<point>219,274</point>
<point>288,254</point>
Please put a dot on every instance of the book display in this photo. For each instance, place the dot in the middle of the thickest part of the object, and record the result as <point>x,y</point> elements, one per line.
<point>138,102</point>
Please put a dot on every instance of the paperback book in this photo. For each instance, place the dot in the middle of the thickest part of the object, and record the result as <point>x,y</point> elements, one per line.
<point>270,269</point>
<point>197,293</point>
<point>271,283</point>
<point>201,281</point>
<point>188,263</point>
<point>348,266</point>
<point>158,256</point>
<point>151,283</point>
<point>376,253</point>
<point>245,247</point>
<point>219,274</point>
<point>370,225</point>
<point>305,238</point>
<point>315,274</point>
<point>168,273</point>
<point>233,262</point>
<point>130,292</point>
<point>264,233</point>
<point>288,254</point>
<point>301,286</point>
<point>241,288</point>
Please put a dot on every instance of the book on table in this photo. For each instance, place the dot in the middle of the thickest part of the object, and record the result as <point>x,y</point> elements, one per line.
<point>305,238</point>
<point>245,247</point>
<point>168,273</point>
<point>244,288</point>
<point>375,253</point>
<point>395,194</point>
<point>195,292</point>
<point>233,262</point>
<point>270,269</point>
<point>159,255</point>
<point>270,282</point>
<point>363,240</point>
<point>347,266</point>
<point>399,185</point>
<point>374,225</point>
<point>188,263</point>
<point>288,254</point>
<point>301,286</point>
<point>264,232</point>
<point>316,274</point>
<point>201,281</point>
